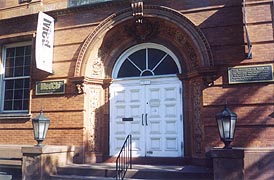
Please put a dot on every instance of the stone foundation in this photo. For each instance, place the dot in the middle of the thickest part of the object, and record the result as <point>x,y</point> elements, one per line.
<point>39,162</point>
<point>243,163</point>
<point>228,164</point>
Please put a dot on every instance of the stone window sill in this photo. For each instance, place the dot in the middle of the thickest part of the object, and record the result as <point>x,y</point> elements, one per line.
<point>15,116</point>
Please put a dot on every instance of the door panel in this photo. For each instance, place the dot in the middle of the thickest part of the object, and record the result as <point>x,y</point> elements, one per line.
<point>164,128</point>
<point>156,109</point>
<point>126,102</point>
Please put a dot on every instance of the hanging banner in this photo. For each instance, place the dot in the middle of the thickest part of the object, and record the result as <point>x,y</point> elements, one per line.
<point>44,42</point>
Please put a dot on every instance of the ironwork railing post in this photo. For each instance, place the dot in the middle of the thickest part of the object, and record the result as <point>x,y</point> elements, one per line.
<point>124,158</point>
<point>116,170</point>
<point>130,151</point>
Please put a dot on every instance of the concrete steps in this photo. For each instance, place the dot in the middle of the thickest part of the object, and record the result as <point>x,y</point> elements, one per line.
<point>106,171</point>
<point>5,176</point>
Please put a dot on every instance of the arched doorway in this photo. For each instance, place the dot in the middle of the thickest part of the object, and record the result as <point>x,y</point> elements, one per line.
<point>146,101</point>
<point>97,70</point>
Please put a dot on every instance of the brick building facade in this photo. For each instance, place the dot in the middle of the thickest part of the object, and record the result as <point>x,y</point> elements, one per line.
<point>203,38</point>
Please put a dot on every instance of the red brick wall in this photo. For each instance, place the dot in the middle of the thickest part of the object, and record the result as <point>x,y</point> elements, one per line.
<point>252,102</point>
<point>221,21</point>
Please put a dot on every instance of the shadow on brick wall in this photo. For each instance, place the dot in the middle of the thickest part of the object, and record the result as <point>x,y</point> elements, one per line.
<point>253,102</point>
<point>259,165</point>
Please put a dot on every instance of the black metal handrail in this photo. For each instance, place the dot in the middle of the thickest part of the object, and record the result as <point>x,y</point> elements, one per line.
<point>124,158</point>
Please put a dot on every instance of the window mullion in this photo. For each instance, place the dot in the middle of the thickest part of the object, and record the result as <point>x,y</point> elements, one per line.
<point>18,77</point>
<point>134,64</point>
<point>163,58</point>
<point>24,59</point>
<point>14,62</point>
<point>13,92</point>
<point>147,58</point>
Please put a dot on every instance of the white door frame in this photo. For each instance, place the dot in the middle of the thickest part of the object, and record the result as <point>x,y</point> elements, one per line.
<point>140,124</point>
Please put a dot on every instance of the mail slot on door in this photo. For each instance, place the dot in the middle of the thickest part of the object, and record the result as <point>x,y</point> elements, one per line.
<point>127,119</point>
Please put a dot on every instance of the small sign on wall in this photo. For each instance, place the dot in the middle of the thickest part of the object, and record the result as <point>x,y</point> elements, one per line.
<point>250,74</point>
<point>50,87</point>
<point>127,119</point>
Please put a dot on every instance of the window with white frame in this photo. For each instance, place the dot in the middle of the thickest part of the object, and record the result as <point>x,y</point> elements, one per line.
<point>146,59</point>
<point>15,81</point>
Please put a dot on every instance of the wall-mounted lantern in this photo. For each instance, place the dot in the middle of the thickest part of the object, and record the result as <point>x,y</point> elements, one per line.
<point>40,127</point>
<point>226,121</point>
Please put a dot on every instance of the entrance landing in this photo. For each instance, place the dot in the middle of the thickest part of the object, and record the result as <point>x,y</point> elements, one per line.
<point>107,171</point>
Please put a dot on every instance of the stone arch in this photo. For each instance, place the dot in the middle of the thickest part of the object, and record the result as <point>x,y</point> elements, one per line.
<point>188,36</point>
<point>161,25</point>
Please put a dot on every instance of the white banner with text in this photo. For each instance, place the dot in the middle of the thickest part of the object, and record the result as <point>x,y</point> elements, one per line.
<point>44,42</point>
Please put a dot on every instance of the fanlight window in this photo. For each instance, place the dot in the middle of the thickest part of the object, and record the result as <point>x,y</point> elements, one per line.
<point>148,61</point>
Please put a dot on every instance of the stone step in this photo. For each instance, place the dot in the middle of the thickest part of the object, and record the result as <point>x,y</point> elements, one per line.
<point>98,169</point>
<point>12,172</point>
<point>73,177</point>
<point>5,176</point>
<point>104,171</point>
<point>77,177</point>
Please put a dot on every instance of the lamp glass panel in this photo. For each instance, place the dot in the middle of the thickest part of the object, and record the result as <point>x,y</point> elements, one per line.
<point>35,129</point>
<point>220,127</point>
<point>227,128</point>
<point>41,129</point>
<point>233,124</point>
<point>46,129</point>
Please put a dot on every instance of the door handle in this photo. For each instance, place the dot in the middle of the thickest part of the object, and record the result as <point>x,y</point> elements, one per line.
<point>142,119</point>
<point>146,119</point>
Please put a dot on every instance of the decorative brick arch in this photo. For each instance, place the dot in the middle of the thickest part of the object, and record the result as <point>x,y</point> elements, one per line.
<point>165,26</point>
<point>197,45</point>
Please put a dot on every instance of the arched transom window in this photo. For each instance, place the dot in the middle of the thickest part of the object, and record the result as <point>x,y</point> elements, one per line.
<point>146,59</point>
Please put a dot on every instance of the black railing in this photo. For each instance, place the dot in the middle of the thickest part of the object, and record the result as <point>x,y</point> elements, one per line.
<point>124,158</point>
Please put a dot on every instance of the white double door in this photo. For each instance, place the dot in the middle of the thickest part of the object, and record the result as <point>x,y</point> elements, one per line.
<point>151,111</point>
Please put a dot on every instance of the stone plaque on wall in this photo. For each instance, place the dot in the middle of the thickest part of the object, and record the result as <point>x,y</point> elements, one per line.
<point>73,3</point>
<point>50,87</point>
<point>250,74</point>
